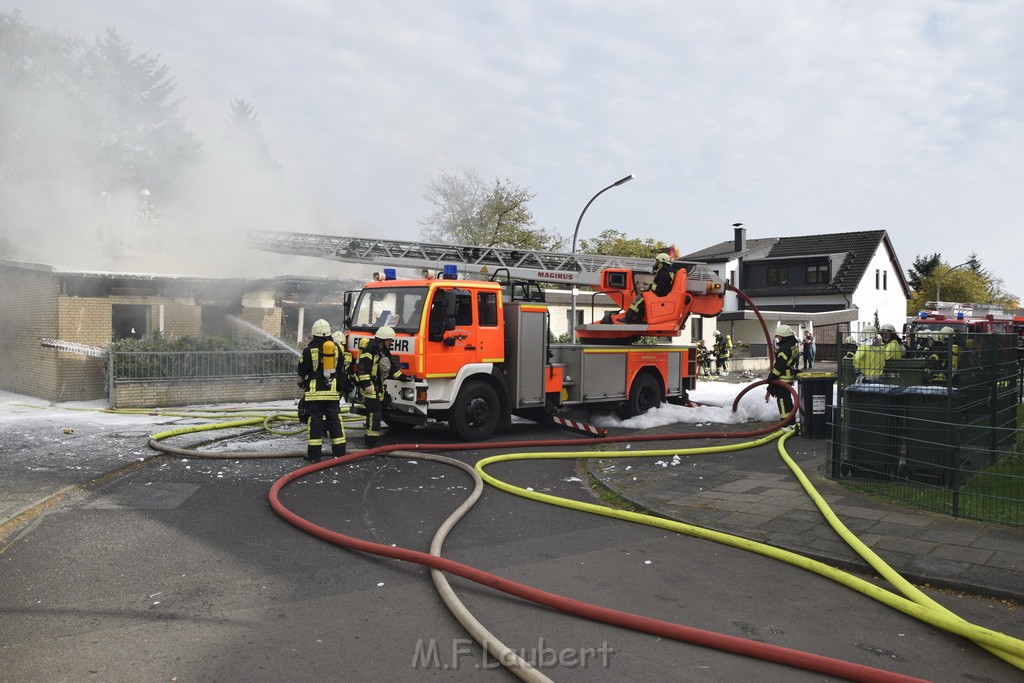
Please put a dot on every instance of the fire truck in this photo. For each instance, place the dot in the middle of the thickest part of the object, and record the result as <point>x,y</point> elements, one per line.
<point>963,318</point>
<point>472,329</point>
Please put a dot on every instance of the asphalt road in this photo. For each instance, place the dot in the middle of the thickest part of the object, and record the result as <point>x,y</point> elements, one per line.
<point>177,569</point>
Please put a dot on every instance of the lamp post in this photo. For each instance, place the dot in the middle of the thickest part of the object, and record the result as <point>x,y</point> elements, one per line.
<point>575,233</point>
<point>938,288</point>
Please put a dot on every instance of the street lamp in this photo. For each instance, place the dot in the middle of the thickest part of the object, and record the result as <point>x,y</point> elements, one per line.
<point>938,289</point>
<point>575,233</point>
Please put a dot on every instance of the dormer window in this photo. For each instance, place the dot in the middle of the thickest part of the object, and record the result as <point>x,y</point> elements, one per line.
<point>778,275</point>
<point>818,274</point>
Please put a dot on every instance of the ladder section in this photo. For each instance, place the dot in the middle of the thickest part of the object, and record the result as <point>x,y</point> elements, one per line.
<point>541,266</point>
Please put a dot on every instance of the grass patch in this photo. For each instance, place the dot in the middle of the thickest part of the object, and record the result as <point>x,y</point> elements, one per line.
<point>604,494</point>
<point>992,494</point>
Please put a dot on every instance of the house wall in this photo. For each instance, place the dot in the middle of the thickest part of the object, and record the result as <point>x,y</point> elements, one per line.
<point>887,298</point>
<point>28,312</point>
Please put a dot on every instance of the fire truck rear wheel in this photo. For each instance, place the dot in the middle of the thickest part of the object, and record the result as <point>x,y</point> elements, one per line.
<point>476,411</point>
<point>645,395</point>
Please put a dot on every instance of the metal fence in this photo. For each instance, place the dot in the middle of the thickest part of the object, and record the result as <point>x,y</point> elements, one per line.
<point>185,366</point>
<point>939,434</point>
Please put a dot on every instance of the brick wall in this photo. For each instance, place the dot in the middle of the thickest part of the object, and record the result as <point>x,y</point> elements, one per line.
<point>28,312</point>
<point>159,394</point>
<point>182,318</point>
<point>267,319</point>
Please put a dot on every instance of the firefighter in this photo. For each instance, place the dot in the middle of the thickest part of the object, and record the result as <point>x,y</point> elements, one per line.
<point>849,347</point>
<point>784,369</point>
<point>664,276</point>
<point>318,378</point>
<point>942,359</point>
<point>869,359</point>
<point>722,351</point>
<point>704,358</point>
<point>892,345</point>
<point>376,364</point>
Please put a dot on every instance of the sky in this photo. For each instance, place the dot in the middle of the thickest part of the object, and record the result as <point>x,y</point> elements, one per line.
<point>801,117</point>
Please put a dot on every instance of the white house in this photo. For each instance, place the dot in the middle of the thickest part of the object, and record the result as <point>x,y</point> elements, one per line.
<point>832,284</point>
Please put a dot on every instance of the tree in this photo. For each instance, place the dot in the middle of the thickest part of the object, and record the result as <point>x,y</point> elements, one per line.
<point>79,122</point>
<point>142,137</point>
<point>613,242</point>
<point>923,267</point>
<point>467,210</point>
<point>245,137</point>
<point>970,284</point>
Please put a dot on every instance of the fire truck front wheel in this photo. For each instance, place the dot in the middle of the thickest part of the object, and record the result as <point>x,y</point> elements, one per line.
<point>475,413</point>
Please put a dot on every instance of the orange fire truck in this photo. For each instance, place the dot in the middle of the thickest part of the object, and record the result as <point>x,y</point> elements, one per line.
<point>479,347</point>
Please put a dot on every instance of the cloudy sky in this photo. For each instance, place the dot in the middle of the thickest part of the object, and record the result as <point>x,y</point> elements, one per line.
<point>791,117</point>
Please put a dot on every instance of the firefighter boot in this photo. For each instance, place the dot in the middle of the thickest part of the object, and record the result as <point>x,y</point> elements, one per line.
<point>371,441</point>
<point>338,449</point>
<point>313,454</point>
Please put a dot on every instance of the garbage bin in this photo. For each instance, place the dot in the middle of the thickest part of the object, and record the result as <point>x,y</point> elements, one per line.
<point>815,400</point>
<point>871,417</point>
<point>929,432</point>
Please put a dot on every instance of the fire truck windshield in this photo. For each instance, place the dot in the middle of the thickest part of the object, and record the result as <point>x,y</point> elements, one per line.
<point>399,307</point>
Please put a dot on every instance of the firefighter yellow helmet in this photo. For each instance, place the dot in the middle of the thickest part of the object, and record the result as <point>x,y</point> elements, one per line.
<point>385,332</point>
<point>784,331</point>
<point>663,258</point>
<point>321,328</point>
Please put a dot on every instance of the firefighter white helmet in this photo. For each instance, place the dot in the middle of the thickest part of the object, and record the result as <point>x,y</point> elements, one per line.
<point>945,332</point>
<point>784,331</point>
<point>849,340</point>
<point>385,332</point>
<point>888,327</point>
<point>321,328</point>
<point>868,331</point>
<point>339,338</point>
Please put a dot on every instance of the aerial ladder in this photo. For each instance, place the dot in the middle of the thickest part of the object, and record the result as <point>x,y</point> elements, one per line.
<point>696,289</point>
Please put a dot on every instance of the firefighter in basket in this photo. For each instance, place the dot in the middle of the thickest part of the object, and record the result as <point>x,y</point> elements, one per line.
<point>375,365</point>
<point>664,276</point>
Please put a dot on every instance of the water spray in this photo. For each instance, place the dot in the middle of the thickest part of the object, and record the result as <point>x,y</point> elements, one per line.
<point>264,333</point>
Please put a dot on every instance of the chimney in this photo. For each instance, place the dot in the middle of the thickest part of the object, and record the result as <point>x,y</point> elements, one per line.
<point>739,241</point>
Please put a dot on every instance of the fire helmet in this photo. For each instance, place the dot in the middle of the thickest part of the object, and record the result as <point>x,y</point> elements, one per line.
<point>385,332</point>
<point>888,327</point>
<point>868,331</point>
<point>784,331</point>
<point>321,328</point>
<point>663,258</point>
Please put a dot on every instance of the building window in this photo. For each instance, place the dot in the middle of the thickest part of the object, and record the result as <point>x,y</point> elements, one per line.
<point>778,276</point>
<point>129,321</point>
<point>817,275</point>
<point>732,278</point>
<point>885,279</point>
<point>877,281</point>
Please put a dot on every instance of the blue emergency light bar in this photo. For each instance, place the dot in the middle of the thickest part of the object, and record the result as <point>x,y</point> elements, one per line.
<point>390,274</point>
<point>451,272</point>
